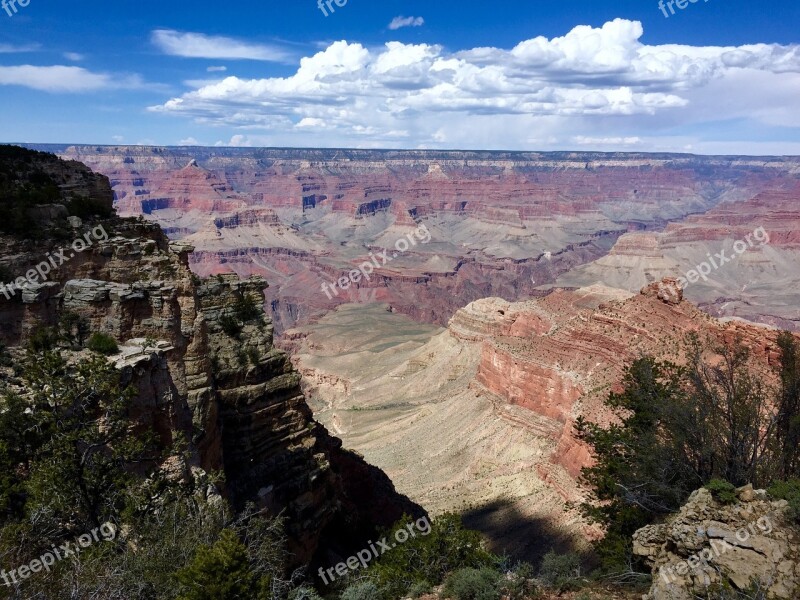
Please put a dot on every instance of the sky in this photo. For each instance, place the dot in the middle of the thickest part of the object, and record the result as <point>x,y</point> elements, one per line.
<point>715,77</point>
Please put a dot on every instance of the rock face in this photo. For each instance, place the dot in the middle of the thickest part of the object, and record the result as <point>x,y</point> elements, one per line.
<point>708,544</point>
<point>489,404</point>
<point>749,249</point>
<point>206,369</point>
<point>503,224</point>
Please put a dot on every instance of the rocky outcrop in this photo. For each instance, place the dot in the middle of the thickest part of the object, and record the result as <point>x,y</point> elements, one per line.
<point>559,356</point>
<point>201,357</point>
<point>707,546</point>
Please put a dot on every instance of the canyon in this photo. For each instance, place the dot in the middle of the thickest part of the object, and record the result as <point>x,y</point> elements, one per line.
<point>232,397</point>
<point>505,224</point>
<point>460,367</point>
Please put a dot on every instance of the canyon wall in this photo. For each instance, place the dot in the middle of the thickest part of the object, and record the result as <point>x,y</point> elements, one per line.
<point>504,224</point>
<point>205,369</point>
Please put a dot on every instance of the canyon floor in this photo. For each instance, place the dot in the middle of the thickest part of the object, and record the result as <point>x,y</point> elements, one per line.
<point>400,393</point>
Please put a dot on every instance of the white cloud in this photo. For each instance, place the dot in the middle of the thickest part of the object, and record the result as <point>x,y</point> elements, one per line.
<point>190,141</point>
<point>582,140</point>
<point>220,69</point>
<point>12,49</point>
<point>57,78</point>
<point>199,45</point>
<point>400,22</point>
<point>590,87</point>
<point>69,79</point>
<point>74,56</point>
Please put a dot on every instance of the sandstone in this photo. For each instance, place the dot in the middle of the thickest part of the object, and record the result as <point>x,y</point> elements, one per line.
<point>707,544</point>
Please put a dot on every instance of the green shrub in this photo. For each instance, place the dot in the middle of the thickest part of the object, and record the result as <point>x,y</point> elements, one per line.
<point>218,572</point>
<point>519,583</point>
<point>473,584</point>
<point>230,326</point>
<point>560,571</point>
<point>722,491</point>
<point>420,588</point>
<point>5,357</point>
<point>447,548</point>
<point>43,339</point>
<point>366,590</point>
<point>789,491</point>
<point>103,343</point>
<point>246,309</point>
<point>253,356</point>
<point>304,593</point>
<point>73,328</point>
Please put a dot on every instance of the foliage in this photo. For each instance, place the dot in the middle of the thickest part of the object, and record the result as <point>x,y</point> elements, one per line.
<point>253,355</point>
<point>472,584</point>
<point>789,491</point>
<point>73,328</point>
<point>788,413</point>
<point>722,491</point>
<point>43,339</point>
<point>103,343</point>
<point>679,427</point>
<point>304,593</point>
<point>246,309</point>
<point>420,588</point>
<point>365,590</point>
<point>429,558</point>
<point>219,572</point>
<point>560,571</point>
<point>519,583</point>
<point>85,207</point>
<point>230,326</point>
<point>62,475</point>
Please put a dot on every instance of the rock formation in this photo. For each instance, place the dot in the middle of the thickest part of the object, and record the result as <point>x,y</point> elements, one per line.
<point>708,545</point>
<point>205,369</point>
<point>504,224</point>
<point>489,404</point>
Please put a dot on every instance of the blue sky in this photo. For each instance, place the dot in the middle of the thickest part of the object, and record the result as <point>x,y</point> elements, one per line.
<point>718,76</point>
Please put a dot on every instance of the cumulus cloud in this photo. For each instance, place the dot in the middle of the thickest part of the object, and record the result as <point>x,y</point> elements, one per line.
<point>400,22</point>
<point>592,86</point>
<point>199,45</point>
<point>220,69</point>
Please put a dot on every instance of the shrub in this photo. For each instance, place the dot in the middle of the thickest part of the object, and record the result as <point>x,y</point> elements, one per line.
<point>473,584</point>
<point>74,328</point>
<point>722,491</point>
<point>230,326</point>
<point>246,308</point>
<point>43,339</point>
<point>304,593</point>
<point>253,356</point>
<point>447,548</point>
<point>218,572</point>
<point>789,491</point>
<point>366,590</point>
<point>560,571</point>
<point>5,357</point>
<point>519,583</point>
<point>419,588</point>
<point>103,343</point>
